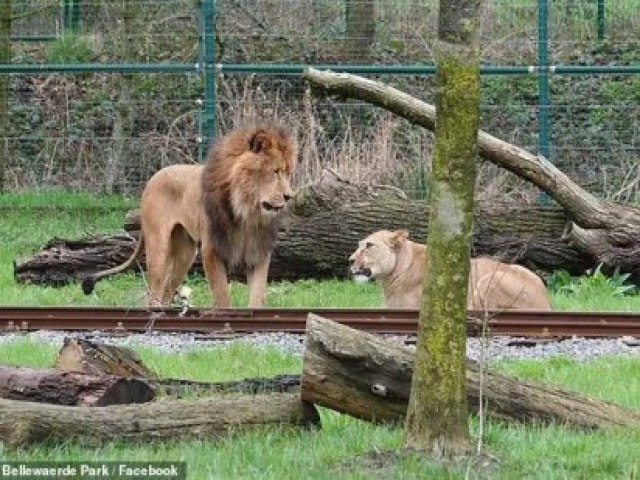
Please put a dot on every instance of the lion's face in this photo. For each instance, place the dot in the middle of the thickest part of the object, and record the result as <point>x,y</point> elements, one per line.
<point>376,255</point>
<point>275,189</point>
<point>262,175</point>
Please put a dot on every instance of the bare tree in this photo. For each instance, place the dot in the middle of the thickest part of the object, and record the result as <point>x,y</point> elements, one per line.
<point>123,119</point>
<point>360,27</point>
<point>6,18</point>
<point>437,418</point>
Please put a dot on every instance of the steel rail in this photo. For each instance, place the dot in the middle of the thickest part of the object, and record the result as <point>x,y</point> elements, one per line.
<point>134,320</point>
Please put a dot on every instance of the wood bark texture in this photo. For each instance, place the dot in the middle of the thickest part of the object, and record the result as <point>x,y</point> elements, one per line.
<point>615,229</point>
<point>97,358</point>
<point>327,220</point>
<point>368,377</point>
<point>437,415</point>
<point>66,388</point>
<point>23,423</point>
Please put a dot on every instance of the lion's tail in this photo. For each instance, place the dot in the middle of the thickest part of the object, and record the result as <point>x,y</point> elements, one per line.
<point>89,282</point>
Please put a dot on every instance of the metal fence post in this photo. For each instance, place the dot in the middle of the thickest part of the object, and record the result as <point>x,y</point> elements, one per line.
<point>209,69</point>
<point>544,121</point>
<point>71,14</point>
<point>600,20</point>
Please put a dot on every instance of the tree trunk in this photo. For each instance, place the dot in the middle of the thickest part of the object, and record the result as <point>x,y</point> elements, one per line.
<point>614,237</point>
<point>23,424</point>
<point>360,28</point>
<point>66,388</point>
<point>437,418</point>
<point>368,377</point>
<point>94,358</point>
<point>327,221</point>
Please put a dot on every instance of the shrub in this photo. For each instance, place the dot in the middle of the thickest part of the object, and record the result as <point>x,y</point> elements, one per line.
<point>70,48</point>
<point>596,283</point>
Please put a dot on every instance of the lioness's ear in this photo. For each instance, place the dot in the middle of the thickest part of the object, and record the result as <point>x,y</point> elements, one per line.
<point>398,237</point>
<point>259,142</point>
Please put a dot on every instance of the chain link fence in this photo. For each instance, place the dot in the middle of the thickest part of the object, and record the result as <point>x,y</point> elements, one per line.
<point>93,116</point>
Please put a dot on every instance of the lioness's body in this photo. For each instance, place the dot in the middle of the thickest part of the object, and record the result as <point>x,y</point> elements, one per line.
<point>230,208</point>
<point>398,265</point>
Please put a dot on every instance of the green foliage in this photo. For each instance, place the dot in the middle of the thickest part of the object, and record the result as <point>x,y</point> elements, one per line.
<point>559,280</point>
<point>60,200</point>
<point>598,380</point>
<point>597,283</point>
<point>623,91</point>
<point>70,48</point>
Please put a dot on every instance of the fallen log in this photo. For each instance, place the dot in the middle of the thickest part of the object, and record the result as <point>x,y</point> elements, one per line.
<point>23,424</point>
<point>608,231</point>
<point>96,358</point>
<point>365,376</point>
<point>66,388</point>
<point>327,221</point>
<point>62,261</point>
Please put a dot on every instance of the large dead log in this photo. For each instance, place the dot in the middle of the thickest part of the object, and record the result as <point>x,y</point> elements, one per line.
<point>62,261</point>
<point>24,423</point>
<point>368,377</point>
<point>66,388</point>
<point>610,232</point>
<point>327,221</point>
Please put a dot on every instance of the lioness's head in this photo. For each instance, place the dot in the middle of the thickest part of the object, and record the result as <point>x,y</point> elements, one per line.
<point>376,254</point>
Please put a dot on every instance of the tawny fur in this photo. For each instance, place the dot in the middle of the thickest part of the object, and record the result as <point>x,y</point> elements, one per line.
<point>231,207</point>
<point>398,265</point>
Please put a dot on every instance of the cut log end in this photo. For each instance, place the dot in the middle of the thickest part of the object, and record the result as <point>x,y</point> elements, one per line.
<point>71,388</point>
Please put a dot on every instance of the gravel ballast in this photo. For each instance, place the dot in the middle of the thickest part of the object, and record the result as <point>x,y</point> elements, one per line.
<point>498,348</point>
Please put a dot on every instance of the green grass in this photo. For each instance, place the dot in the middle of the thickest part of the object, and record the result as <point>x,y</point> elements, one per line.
<point>347,448</point>
<point>25,232</point>
<point>60,200</point>
<point>36,219</point>
<point>596,303</point>
<point>344,448</point>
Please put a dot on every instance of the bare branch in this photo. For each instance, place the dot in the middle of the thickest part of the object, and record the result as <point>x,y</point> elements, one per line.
<point>587,209</point>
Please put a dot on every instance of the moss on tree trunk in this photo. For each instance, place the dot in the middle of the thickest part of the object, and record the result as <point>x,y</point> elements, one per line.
<point>437,418</point>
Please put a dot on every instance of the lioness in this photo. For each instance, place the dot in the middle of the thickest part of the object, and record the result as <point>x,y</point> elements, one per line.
<point>231,207</point>
<point>398,264</point>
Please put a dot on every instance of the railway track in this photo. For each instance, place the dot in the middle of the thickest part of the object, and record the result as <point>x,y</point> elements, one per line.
<point>228,321</point>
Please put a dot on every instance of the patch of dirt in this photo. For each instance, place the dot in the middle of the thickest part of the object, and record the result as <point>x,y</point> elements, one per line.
<point>383,463</point>
<point>376,464</point>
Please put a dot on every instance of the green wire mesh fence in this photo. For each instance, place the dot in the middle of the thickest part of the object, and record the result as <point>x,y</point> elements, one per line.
<point>112,91</point>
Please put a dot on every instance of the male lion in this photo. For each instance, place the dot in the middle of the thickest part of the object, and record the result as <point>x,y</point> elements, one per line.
<point>231,207</point>
<point>398,264</point>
